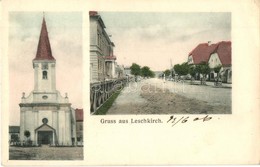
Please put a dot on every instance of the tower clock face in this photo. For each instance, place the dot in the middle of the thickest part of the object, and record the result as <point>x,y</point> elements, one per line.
<point>44,66</point>
<point>45,120</point>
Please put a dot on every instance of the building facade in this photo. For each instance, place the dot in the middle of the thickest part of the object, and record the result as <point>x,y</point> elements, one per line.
<point>45,114</point>
<point>102,59</point>
<point>222,57</point>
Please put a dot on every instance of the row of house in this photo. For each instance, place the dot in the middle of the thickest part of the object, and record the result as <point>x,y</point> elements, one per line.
<point>103,65</point>
<point>218,54</point>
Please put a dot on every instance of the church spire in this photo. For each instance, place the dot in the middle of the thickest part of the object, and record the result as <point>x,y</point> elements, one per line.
<point>44,47</point>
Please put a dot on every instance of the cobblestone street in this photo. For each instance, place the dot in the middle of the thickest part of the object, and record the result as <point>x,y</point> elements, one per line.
<point>155,96</point>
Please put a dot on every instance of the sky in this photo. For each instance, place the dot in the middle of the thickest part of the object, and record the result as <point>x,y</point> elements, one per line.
<point>65,35</point>
<point>158,40</point>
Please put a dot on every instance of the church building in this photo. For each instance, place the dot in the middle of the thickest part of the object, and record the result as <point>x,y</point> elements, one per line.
<point>45,114</point>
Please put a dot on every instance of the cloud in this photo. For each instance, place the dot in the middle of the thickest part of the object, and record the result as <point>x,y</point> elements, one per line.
<point>158,37</point>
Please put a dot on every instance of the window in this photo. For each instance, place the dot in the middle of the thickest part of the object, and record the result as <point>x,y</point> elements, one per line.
<point>98,39</point>
<point>44,75</point>
<point>44,97</point>
<point>45,120</point>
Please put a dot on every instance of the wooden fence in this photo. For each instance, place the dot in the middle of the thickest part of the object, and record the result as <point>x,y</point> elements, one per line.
<point>100,92</point>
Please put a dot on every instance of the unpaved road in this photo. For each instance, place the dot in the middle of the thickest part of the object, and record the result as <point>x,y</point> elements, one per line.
<point>154,96</point>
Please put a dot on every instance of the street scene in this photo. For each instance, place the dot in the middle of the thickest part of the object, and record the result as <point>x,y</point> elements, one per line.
<point>146,64</point>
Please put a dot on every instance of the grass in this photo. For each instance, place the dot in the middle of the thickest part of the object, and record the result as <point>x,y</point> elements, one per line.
<point>106,106</point>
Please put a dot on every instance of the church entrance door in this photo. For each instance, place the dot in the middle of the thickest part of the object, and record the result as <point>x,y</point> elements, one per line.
<point>45,137</point>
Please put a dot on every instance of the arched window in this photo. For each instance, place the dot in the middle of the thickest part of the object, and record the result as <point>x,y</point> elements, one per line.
<point>44,75</point>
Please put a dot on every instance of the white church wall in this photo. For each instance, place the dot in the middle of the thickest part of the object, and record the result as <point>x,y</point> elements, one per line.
<point>47,84</point>
<point>68,128</point>
<point>22,114</point>
<point>44,97</point>
<point>29,123</point>
<point>53,76</point>
<point>61,131</point>
<point>45,114</point>
<point>55,120</point>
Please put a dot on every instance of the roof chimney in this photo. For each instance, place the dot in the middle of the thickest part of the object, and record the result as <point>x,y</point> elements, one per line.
<point>209,43</point>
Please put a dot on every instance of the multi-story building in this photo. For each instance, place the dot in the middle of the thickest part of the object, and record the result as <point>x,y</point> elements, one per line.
<point>102,59</point>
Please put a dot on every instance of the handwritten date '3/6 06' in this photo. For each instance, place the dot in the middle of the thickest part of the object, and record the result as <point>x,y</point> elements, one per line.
<point>175,120</point>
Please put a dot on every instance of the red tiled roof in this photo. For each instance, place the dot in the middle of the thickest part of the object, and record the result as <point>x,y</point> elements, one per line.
<point>44,47</point>
<point>224,52</point>
<point>79,114</point>
<point>203,51</point>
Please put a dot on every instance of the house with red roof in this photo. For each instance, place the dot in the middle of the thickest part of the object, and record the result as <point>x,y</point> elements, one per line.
<point>201,53</point>
<point>222,57</point>
<point>215,55</point>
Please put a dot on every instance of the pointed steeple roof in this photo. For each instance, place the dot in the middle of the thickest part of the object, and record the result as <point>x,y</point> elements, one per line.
<point>44,47</point>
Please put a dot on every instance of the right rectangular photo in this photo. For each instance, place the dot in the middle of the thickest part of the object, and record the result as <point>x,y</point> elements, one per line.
<point>160,63</point>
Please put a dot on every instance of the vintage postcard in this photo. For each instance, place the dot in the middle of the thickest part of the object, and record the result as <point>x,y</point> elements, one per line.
<point>129,83</point>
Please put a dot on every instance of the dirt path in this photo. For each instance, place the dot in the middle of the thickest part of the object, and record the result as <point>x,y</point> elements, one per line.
<point>148,98</point>
<point>129,101</point>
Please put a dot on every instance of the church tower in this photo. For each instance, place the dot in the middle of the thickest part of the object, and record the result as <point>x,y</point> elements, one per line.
<point>45,114</point>
<point>44,64</point>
